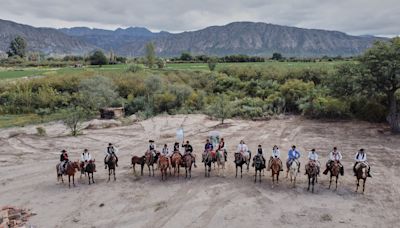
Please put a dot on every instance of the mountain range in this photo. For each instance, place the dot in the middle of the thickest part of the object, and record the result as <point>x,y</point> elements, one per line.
<point>249,38</point>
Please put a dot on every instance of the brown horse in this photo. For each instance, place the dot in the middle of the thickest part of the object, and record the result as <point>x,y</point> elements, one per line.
<point>334,170</point>
<point>111,167</point>
<point>70,170</point>
<point>164,165</point>
<point>187,163</point>
<point>312,172</point>
<point>275,169</point>
<point>361,174</point>
<point>151,160</point>
<point>140,161</point>
<point>176,161</point>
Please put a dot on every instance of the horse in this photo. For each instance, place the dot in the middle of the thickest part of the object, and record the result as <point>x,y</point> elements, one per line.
<point>258,165</point>
<point>221,162</point>
<point>275,169</point>
<point>150,160</point>
<point>89,169</point>
<point>312,172</point>
<point>334,170</point>
<point>293,170</point>
<point>164,165</point>
<point>176,161</point>
<point>111,167</point>
<point>140,161</point>
<point>239,161</point>
<point>187,163</point>
<point>207,159</point>
<point>70,170</point>
<point>361,173</point>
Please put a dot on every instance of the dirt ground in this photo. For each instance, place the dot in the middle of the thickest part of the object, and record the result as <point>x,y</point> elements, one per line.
<point>28,177</point>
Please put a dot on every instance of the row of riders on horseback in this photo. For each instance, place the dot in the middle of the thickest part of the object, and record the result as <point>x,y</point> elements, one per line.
<point>242,156</point>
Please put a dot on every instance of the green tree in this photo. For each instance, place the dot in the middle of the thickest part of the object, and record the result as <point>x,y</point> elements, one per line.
<point>74,118</point>
<point>150,54</point>
<point>97,92</point>
<point>98,58</point>
<point>221,108</point>
<point>212,63</point>
<point>383,64</point>
<point>186,56</point>
<point>17,47</point>
<point>277,56</point>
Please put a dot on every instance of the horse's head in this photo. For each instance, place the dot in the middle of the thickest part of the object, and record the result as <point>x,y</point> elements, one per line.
<point>76,165</point>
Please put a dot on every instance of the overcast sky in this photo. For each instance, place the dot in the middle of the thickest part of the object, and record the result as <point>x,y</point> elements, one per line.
<point>358,17</point>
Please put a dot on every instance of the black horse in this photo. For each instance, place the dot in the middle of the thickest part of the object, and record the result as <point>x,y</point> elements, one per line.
<point>89,169</point>
<point>259,166</point>
<point>239,161</point>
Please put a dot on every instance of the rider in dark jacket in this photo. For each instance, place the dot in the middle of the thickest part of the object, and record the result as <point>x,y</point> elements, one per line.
<point>189,150</point>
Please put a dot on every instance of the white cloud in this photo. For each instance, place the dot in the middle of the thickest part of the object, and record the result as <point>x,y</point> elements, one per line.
<point>352,16</point>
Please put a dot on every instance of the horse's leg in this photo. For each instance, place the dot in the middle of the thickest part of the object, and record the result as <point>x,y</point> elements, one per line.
<point>313,182</point>
<point>241,171</point>
<point>92,179</point>
<point>73,180</point>
<point>109,174</point>
<point>309,182</point>
<point>141,169</point>
<point>255,176</point>
<point>364,184</point>
<point>337,177</point>
<point>134,171</point>
<point>205,169</point>
<point>260,176</point>
<point>358,183</point>
<point>116,178</point>
<point>330,181</point>
<point>152,167</point>
<point>277,178</point>
<point>149,170</point>
<point>69,181</point>
<point>236,171</point>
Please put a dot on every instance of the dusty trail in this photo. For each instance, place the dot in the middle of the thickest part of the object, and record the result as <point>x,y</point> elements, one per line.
<point>28,180</point>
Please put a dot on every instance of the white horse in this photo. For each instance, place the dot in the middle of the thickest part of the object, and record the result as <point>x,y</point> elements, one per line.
<point>293,169</point>
<point>221,162</point>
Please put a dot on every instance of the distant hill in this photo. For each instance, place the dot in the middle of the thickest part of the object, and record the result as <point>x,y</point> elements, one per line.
<point>234,38</point>
<point>46,40</point>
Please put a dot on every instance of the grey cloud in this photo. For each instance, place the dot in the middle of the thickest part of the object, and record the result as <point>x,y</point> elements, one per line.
<point>351,16</point>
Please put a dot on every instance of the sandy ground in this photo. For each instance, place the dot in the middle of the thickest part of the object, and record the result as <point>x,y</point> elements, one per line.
<point>28,177</point>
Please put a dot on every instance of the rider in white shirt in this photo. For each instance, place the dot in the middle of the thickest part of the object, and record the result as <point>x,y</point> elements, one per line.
<point>334,155</point>
<point>276,154</point>
<point>361,157</point>
<point>111,151</point>
<point>243,149</point>
<point>312,157</point>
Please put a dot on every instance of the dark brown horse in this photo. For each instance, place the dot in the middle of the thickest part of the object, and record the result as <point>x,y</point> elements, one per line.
<point>151,160</point>
<point>258,165</point>
<point>312,172</point>
<point>239,161</point>
<point>176,162</point>
<point>187,163</point>
<point>334,170</point>
<point>140,161</point>
<point>361,174</point>
<point>275,169</point>
<point>164,165</point>
<point>89,169</point>
<point>207,160</point>
<point>70,170</point>
<point>111,167</point>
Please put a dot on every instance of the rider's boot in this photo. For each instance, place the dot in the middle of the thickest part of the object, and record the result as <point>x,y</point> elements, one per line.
<point>368,173</point>
<point>194,162</point>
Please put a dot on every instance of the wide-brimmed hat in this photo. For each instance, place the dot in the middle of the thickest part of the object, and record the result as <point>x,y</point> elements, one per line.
<point>151,141</point>
<point>63,151</point>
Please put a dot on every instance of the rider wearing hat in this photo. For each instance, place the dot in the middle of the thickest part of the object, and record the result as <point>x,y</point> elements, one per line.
<point>276,154</point>
<point>361,157</point>
<point>111,151</point>
<point>86,157</point>
<point>334,155</point>
<point>293,156</point>
<point>221,146</point>
<point>188,151</point>
<point>63,159</point>
<point>312,157</point>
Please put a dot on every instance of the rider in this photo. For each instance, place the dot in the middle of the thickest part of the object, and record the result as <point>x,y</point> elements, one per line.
<point>152,147</point>
<point>221,146</point>
<point>334,155</point>
<point>361,157</point>
<point>111,151</point>
<point>260,153</point>
<point>208,147</point>
<point>85,158</point>
<point>176,147</point>
<point>189,150</point>
<point>312,157</point>
<point>64,160</point>
<point>276,154</point>
<point>293,156</point>
<point>165,150</point>
<point>242,148</point>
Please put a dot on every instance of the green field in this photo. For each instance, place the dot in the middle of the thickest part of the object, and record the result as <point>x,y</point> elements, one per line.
<point>14,73</point>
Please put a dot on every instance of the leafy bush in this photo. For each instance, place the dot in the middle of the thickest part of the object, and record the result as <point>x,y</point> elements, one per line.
<point>41,131</point>
<point>325,107</point>
<point>134,68</point>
